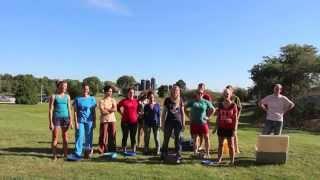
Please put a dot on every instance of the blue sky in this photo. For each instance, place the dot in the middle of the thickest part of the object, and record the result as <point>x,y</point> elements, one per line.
<point>209,41</point>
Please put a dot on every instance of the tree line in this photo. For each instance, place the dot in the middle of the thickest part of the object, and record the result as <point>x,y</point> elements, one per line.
<point>297,68</point>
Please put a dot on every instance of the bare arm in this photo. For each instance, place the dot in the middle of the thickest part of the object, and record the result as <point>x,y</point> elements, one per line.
<point>217,122</point>
<point>51,107</point>
<point>75,115</point>
<point>236,118</point>
<point>103,110</point>
<point>263,106</point>
<point>70,112</point>
<point>183,116</point>
<point>94,116</point>
<point>290,105</point>
<point>114,107</point>
<point>163,116</point>
<point>210,112</point>
<point>119,107</point>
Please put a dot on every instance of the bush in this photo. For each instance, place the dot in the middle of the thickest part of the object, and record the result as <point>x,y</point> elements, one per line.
<point>307,108</point>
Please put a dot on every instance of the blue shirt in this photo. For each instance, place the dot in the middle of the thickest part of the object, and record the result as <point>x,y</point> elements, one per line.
<point>152,115</point>
<point>85,108</point>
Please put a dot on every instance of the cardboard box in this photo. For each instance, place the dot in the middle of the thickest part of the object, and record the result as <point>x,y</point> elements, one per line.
<point>272,149</point>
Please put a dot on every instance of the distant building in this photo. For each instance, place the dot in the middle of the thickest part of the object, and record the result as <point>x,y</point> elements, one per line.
<point>143,85</point>
<point>7,99</point>
<point>148,85</point>
<point>137,87</point>
<point>153,84</point>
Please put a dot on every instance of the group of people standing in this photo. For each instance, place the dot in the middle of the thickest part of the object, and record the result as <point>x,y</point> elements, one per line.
<point>146,115</point>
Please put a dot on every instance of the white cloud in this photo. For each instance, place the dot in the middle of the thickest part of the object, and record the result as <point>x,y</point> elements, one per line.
<point>112,5</point>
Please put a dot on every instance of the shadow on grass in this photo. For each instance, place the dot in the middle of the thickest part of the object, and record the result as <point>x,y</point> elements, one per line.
<point>249,161</point>
<point>59,143</point>
<point>151,159</point>
<point>32,152</point>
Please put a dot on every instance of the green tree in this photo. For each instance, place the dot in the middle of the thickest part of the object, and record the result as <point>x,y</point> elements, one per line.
<point>181,84</point>
<point>94,84</point>
<point>242,94</point>
<point>26,90</point>
<point>74,88</point>
<point>112,84</point>
<point>163,91</point>
<point>296,68</point>
<point>125,82</point>
<point>48,85</point>
<point>6,83</point>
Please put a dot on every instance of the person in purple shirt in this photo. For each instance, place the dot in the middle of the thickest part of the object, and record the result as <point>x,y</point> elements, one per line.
<point>151,122</point>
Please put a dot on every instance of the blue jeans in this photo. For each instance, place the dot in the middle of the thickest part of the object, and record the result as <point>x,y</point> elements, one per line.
<point>272,126</point>
<point>84,136</point>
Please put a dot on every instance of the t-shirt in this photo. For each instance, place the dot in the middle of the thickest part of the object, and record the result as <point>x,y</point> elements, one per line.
<point>227,116</point>
<point>107,103</point>
<point>130,110</point>
<point>85,108</point>
<point>152,115</point>
<point>174,112</point>
<point>199,110</point>
<point>234,99</point>
<point>276,106</point>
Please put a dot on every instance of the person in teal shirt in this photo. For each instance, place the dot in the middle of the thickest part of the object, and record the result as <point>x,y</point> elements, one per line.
<point>85,120</point>
<point>200,112</point>
<point>59,117</point>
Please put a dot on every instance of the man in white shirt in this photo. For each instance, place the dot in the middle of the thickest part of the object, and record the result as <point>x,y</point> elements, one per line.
<point>276,105</point>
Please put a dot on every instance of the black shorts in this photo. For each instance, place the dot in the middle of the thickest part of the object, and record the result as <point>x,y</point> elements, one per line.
<point>225,132</point>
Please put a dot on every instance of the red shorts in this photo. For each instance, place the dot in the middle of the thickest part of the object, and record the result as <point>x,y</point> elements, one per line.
<point>199,129</point>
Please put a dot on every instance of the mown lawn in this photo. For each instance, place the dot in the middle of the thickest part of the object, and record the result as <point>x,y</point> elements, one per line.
<point>25,154</point>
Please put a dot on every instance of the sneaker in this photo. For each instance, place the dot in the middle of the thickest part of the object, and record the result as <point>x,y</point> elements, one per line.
<point>74,157</point>
<point>178,161</point>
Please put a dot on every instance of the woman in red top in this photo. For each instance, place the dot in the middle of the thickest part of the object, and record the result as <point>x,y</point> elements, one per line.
<point>128,108</point>
<point>226,124</point>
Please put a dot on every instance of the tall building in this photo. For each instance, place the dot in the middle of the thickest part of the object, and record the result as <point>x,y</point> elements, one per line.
<point>153,84</point>
<point>148,85</point>
<point>143,85</point>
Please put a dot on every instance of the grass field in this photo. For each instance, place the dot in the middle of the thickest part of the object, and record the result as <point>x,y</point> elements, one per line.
<point>25,154</point>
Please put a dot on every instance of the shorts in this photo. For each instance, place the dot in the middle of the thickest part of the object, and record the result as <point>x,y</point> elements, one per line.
<point>225,132</point>
<point>274,127</point>
<point>199,129</point>
<point>61,122</point>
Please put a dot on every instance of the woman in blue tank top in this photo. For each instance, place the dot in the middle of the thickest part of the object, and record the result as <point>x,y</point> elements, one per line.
<point>59,117</point>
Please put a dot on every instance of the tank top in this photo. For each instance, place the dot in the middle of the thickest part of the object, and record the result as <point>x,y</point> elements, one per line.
<point>61,108</point>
